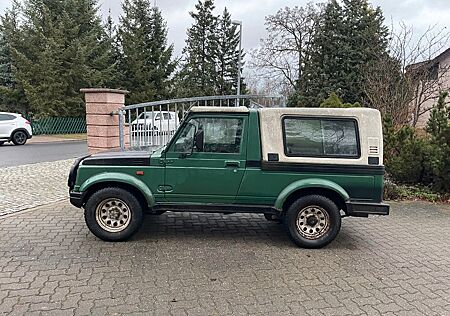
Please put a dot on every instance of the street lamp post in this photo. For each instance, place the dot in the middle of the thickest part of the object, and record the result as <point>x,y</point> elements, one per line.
<point>238,90</point>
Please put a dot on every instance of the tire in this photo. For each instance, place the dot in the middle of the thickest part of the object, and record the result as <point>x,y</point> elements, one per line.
<point>312,221</point>
<point>113,214</point>
<point>19,138</point>
<point>1,143</point>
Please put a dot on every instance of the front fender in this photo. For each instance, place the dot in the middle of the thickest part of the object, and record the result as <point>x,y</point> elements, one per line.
<point>122,178</point>
<point>308,184</point>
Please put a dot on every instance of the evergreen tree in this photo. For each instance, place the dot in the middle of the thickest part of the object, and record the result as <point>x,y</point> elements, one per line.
<point>438,126</point>
<point>6,75</point>
<point>62,47</point>
<point>199,73</point>
<point>113,53</point>
<point>146,60</point>
<point>12,95</point>
<point>349,37</point>
<point>228,56</point>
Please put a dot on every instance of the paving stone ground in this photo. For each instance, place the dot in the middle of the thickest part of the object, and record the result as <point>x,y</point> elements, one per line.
<point>208,264</point>
<point>27,186</point>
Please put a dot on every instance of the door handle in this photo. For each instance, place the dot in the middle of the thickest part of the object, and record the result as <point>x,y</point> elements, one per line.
<point>232,163</point>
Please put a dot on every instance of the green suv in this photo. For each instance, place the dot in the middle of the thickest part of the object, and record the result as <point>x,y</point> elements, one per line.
<point>306,168</point>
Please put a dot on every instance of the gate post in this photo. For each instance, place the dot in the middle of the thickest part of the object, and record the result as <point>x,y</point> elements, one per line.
<point>102,118</point>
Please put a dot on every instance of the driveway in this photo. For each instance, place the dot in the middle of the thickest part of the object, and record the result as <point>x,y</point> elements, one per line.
<point>35,152</point>
<point>26,186</point>
<point>206,264</point>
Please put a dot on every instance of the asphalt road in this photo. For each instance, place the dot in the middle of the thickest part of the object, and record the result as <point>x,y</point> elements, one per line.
<point>11,155</point>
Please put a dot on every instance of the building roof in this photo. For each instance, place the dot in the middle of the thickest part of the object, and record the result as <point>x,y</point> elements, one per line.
<point>430,62</point>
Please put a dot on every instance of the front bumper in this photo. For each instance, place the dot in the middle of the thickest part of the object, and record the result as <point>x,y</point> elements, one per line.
<point>361,209</point>
<point>76,198</point>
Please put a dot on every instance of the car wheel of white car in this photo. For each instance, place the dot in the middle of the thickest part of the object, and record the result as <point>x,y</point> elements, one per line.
<point>1,143</point>
<point>19,138</point>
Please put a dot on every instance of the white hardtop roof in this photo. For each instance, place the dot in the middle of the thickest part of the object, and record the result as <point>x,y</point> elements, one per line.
<point>321,111</point>
<point>228,109</point>
<point>292,111</point>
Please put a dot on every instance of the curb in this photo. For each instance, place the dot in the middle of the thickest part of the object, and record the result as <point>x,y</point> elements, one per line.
<point>34,208</point>
<point>56,141</point>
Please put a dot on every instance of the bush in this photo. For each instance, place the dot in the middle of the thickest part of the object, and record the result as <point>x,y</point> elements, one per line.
<point>404,153</point>
<point>394,191</point>
<point>391,191</point>
<point>333,101</point>
<point>425,160</point>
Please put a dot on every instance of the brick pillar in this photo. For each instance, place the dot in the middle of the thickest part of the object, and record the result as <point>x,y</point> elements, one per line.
<point>102,118</point>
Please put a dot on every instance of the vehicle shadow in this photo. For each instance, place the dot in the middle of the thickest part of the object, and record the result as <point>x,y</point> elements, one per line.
<point>236,228</point>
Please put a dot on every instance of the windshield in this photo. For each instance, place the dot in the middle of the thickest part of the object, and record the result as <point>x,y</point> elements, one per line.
<point>157,116</point>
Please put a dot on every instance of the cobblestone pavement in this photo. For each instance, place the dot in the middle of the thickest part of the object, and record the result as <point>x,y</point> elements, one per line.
<point>27,186</point>
<point>205,264</point>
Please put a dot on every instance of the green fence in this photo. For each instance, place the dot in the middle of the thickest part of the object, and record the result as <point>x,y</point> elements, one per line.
<point>59,125</point>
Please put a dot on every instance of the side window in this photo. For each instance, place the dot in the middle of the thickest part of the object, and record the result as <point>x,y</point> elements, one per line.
<point>185,140</point>
<point>6,117</point>
<point>221,135</point>
<point>321,137</point>
<point>213,135</point>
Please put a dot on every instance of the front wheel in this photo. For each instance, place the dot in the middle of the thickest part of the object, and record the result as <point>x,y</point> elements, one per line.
<point>312,221</point>
<point>113,214</point>
<point>1,143</point>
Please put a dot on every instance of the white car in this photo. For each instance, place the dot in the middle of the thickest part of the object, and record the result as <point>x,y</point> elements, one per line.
<point>14,128</point>
<point>153,128</point>
<point>162,121</point>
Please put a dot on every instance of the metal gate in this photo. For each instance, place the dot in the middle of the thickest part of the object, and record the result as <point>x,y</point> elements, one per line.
<point>152,124</point>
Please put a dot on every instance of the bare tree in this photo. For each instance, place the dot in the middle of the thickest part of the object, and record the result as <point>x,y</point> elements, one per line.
<point>404,82</point>
<point>281,56</point>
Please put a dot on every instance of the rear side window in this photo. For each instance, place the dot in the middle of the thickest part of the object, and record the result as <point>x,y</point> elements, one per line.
<point>321,137</point>
<point>7,117</point>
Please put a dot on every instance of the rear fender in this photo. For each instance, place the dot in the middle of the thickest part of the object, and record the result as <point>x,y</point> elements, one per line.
<point>308,184</point>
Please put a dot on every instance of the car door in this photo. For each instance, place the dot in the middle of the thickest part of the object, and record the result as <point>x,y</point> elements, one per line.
<point>7,125</point>
<point>210,171</point>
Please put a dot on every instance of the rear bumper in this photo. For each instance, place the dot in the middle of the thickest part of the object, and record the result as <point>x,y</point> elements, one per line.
<point>361,209</point>
<point>76,198</point>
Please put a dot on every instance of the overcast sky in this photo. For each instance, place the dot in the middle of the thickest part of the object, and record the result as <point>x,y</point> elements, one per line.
<point>420,13</point>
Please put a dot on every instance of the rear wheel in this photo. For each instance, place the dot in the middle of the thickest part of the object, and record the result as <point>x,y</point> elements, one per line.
<point>1,143</point>
<point>313,221</point>
<point>113,214</point>
<point>19,138</point>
